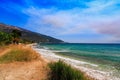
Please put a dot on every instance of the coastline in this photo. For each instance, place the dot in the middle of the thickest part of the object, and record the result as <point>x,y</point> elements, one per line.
<point>95,74</point>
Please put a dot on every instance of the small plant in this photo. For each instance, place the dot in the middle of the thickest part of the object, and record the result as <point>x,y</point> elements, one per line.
<point>62,71</point>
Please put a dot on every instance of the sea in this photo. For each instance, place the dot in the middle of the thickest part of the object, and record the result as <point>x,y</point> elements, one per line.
<point>105,56</point>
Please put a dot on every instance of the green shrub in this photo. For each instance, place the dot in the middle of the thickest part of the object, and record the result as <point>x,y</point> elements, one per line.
<point>5,38</point>
<point>62,71</point>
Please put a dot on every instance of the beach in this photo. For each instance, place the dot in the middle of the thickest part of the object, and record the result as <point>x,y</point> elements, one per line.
<point>94,73</point>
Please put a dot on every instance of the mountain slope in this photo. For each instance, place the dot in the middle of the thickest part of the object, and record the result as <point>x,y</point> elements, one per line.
<point>29,35</point>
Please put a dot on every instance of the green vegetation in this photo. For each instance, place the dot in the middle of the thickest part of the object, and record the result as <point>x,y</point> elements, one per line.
<point>62,71</point>
<point>13,37</point>
<point>5,38</point>
<point>18,53</point>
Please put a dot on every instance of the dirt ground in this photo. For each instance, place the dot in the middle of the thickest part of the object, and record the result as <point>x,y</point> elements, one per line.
<point>35,70</point>
<point>32,70</point>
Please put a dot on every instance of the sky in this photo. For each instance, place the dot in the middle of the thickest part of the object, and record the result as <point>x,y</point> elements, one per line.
<point>75,21</point>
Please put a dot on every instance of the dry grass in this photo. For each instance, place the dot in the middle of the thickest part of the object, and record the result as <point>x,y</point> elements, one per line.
<point>19,53</point>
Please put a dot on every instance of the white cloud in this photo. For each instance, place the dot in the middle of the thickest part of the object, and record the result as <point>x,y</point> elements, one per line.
<point>77,21</point>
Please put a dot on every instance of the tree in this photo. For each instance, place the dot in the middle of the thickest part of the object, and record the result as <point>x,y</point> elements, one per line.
<point>16,34</point>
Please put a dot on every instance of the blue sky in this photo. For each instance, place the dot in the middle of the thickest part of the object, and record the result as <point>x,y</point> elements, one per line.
<point>79,21</point>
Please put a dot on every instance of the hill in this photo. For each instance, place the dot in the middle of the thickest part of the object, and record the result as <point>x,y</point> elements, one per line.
<point>29,35</point>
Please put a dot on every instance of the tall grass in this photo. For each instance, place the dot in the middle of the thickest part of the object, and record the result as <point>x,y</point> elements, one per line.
<point>19,53</point>
<point>62,71</point>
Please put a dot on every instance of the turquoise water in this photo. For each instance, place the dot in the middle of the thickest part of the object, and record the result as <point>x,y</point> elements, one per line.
<point>103,54</point>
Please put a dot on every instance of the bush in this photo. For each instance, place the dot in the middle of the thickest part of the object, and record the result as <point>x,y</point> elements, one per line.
<point>62,71</point>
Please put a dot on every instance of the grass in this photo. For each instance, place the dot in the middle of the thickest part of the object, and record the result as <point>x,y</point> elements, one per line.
<point>62,71</point>
<point>19,53</point>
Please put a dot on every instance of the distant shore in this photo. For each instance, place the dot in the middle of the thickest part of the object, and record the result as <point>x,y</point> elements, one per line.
<point>96,74</point>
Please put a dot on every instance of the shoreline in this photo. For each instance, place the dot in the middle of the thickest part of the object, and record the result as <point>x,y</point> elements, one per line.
<point>95,74</point>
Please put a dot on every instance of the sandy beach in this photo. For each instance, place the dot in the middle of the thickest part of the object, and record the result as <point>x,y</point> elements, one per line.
<point>96,74</point>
